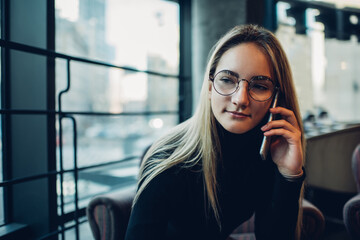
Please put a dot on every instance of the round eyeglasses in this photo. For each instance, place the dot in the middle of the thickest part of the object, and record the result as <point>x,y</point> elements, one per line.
<point>260,88</point>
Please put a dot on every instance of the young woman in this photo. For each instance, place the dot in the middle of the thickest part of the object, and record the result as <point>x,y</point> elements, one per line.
<point>206,177</point>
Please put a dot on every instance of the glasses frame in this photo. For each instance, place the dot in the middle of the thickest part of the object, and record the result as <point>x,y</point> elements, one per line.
<point>212,78</point>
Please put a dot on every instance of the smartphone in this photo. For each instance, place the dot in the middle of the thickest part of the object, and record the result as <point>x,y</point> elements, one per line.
<point>264,149</point>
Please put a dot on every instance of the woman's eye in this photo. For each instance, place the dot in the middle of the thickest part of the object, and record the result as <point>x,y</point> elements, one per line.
<point>259,78</point>
<point>260,87</point>
<point>227,81</point>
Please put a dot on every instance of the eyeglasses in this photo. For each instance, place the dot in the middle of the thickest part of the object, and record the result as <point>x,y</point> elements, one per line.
<point>260,88</point>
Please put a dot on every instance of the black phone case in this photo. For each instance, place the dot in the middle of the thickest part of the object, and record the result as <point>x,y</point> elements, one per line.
<point>264,149</point>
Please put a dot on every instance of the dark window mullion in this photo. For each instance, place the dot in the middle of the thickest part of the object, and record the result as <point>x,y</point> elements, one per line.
<point>5,104</point>
<point>185,89</point>
<point>51,118</point>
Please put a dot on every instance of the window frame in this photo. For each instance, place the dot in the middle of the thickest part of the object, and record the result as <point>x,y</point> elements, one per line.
<point>52,114</point>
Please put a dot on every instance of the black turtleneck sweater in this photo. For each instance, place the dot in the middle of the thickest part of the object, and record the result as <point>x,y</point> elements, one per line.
<point>174,205</point>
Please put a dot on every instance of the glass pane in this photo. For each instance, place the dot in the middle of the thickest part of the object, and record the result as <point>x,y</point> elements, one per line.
<point>340,88</point>
<point>325,73</point>
<point>104,89</point>
<point>140,34</point>
<point>121,140</point>
<point>84,229</point>
<point>104,139</point>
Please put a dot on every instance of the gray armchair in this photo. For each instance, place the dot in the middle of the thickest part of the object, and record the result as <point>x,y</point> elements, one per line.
<point>351,210</point>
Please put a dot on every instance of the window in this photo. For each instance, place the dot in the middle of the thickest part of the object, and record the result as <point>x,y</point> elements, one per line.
<point>324,61</point>
<point>80,132</point>
<point>119,112</point>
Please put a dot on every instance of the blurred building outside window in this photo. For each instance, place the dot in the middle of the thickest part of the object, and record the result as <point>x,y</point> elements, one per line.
<point>143,35</point>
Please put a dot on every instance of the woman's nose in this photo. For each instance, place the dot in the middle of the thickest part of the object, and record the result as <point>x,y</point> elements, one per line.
<point>241,96</point>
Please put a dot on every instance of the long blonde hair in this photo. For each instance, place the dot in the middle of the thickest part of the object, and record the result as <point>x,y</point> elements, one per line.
<point>196,140</point>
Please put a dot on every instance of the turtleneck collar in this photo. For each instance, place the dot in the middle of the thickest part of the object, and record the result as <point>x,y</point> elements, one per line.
<point>253,136</point>
<point>241,147</point>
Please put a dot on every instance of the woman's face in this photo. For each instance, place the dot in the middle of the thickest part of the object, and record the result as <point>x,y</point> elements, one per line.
<point>239,113</point>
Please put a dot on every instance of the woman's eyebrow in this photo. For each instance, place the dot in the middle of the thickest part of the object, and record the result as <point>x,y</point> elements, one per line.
<point>261,75</point>
<point>231,73</point>
<point>239,75</point>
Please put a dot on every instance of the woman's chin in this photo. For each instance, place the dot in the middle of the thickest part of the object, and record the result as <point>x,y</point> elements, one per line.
<point>237,129</point>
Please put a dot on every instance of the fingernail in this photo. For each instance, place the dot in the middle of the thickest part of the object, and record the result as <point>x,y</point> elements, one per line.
<point>264,127</point>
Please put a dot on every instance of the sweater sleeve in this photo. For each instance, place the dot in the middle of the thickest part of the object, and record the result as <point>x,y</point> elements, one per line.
<point>276,216</point>
<point>150,214</point>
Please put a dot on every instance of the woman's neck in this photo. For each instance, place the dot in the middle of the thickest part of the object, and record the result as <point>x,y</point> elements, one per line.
<point>240,146</point>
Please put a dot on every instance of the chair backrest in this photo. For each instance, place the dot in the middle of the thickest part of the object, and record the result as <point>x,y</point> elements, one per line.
<point>109,214</point>
<point>351,210</point>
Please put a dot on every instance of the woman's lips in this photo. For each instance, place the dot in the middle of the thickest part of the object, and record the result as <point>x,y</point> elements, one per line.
<point>239,114</point>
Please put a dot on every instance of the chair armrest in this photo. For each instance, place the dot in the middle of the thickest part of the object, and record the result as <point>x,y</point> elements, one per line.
<point>351,214</point>
<point>313,221</point>
<point>109,214</point>
<point>246,227</point>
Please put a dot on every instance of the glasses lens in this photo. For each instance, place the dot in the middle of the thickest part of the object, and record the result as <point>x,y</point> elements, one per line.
<point>225,83</point>
<point>261,88</point>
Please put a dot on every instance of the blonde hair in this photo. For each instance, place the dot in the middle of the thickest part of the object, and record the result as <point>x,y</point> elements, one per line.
<point>196,140</point>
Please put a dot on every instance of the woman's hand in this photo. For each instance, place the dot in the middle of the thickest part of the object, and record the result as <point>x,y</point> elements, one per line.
<point>286,145</point>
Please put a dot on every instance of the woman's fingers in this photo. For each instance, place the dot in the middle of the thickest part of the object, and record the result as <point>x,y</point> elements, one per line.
<point>286,114</point>
<point>279,124</point>
<point>290,136</point>
<point>286,147</point>
<point>286,127</point>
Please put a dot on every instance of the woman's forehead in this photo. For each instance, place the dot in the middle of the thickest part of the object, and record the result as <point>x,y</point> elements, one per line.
<point>245,59</point>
